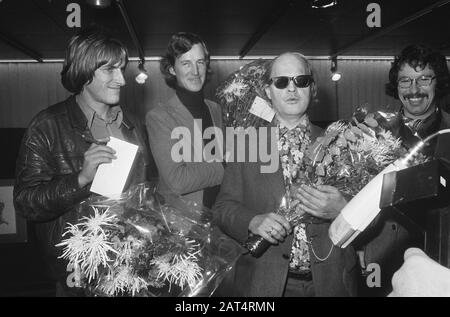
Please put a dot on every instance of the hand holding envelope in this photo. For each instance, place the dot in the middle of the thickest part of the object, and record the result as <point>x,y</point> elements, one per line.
<point>111,177</point>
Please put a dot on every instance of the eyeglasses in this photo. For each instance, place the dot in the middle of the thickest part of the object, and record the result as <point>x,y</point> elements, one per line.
<point>301,81</point>
<point>423,81</point>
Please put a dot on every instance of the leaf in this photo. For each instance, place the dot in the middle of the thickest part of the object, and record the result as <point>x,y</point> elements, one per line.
<point>350,134</point>
<point>320,170</point>
<point>370,121</point>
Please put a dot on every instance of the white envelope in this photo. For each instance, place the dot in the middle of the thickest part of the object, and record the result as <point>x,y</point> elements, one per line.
<point>110,178</point>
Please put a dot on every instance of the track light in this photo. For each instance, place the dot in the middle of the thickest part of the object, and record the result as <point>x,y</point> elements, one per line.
<point>335,75</point>
<point>142,75</point>
<point>322,4</point>
<point>101,4</point>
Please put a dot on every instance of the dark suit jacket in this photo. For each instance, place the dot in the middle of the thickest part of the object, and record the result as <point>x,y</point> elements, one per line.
<point>245,193</point>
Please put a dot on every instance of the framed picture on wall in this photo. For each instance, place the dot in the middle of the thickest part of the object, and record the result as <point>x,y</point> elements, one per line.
<point>13,228</point>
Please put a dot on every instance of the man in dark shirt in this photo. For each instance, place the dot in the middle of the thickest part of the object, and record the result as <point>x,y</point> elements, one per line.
<point>185,67</point>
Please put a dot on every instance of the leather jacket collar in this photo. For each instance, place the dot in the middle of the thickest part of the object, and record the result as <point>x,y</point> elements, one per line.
<point>78,119</point>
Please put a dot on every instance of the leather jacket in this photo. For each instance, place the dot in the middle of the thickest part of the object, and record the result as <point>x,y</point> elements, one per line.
<point>51,156</point>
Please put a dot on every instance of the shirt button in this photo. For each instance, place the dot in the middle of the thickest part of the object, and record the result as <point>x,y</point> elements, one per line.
<point>285,256</point>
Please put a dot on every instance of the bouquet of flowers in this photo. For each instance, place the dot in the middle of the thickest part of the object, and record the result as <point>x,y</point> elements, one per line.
<point>144,244</point>
<point>351,153</point>
<point>237,94</point>
<point>362,209</point>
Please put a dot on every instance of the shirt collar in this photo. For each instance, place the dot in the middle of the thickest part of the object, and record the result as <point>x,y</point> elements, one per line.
<point>114,115</point>
<point>421,126</point>
<point>303,124</point>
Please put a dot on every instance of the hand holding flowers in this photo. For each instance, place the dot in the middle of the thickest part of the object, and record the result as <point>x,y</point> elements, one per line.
<point>323,201</point>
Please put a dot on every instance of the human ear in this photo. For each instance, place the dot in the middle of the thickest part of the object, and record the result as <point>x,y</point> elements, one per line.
<point>313,91</point>
<point>267,90</point>
<point>172,71</point>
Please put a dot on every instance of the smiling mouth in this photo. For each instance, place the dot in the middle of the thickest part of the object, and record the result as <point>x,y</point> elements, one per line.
<point>416,99</point>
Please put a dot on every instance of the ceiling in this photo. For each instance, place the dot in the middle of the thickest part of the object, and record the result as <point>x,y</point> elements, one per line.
<point>37,28</point>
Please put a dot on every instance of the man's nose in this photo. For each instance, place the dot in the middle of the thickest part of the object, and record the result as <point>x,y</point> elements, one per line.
<point>119,78</point>
<point>195,69</point>
<point>414,88</point>
<point>291,85</point>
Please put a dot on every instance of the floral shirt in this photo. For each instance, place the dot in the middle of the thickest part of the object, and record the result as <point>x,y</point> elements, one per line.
<point>299,261</point>
<point>292,145</point>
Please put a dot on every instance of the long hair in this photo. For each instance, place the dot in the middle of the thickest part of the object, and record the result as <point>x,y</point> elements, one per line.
<point>86,52</point>
<point>179,44</point>
<point>418,57</point>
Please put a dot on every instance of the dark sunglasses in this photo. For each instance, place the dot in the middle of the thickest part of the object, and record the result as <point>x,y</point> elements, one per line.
<point>300,81</point>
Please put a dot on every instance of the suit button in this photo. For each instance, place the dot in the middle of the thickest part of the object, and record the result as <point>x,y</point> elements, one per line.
<point>285,256</point>
<point>394,226</point>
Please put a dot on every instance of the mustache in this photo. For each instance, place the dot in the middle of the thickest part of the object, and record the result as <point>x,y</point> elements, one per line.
<point>418,95</point>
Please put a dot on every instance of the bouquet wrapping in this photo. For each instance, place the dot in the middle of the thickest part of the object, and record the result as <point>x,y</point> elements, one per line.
<point>364,207</point>
<point>238,92</point>
<point>353,152</point>
<point>353,156</point>
<point>144,244</point>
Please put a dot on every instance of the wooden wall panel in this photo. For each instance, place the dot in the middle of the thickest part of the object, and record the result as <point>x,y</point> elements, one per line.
<point>27,88</point>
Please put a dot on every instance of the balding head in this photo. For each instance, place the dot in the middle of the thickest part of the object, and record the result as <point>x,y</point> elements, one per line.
<point>289,85</point>
<point>285,57</point>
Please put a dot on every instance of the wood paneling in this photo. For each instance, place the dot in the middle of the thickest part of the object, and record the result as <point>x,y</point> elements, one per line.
<point>27,88</point>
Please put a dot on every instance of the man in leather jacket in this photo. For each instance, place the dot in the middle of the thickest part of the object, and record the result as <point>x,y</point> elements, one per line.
<point>65,143</point>
<point>420,79</point>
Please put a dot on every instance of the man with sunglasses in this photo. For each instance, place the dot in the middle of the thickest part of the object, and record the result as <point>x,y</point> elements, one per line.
<point>420,79</point>
<point>304,263</point>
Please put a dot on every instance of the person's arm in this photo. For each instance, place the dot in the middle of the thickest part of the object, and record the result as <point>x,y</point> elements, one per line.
<point>39,194</point>
<point>236,220</point>
<point>181,177</point>
<point>232,217</point>
<point>420,276</point>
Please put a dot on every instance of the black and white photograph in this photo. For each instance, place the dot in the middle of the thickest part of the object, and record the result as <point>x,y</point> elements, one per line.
<point>236,153</point>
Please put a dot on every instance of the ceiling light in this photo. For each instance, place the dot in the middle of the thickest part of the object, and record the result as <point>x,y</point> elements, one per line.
<point>101,4</point>
<point>322,4</point>
<point>335,75</point>
<point>142,75</point>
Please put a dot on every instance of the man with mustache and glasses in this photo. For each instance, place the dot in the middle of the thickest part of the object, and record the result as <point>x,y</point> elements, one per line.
<point>185,68</point>
<point>302,261</point>
<point>419,78</point>
<point>65,143</point>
